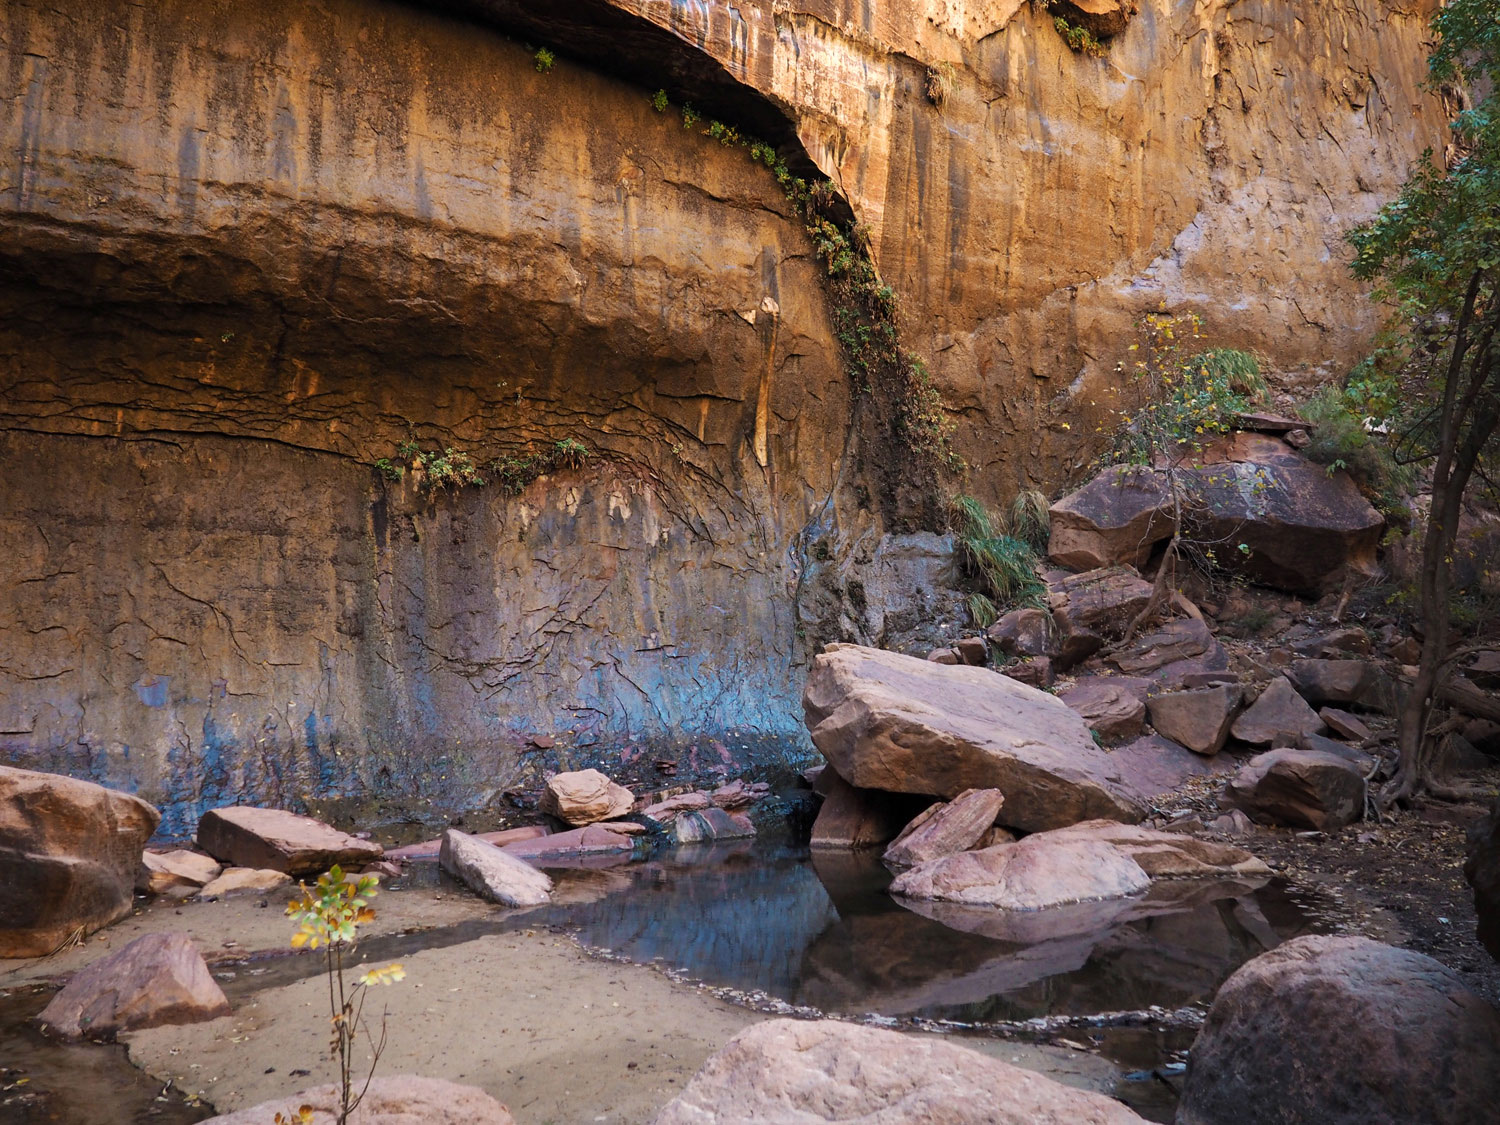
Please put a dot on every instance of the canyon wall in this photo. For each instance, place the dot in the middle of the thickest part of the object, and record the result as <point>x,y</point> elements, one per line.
<point>249,251</point>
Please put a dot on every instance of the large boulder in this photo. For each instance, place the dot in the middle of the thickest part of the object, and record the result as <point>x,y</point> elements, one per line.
<point>404,1099</point>
<point>1103,601</point>
<point>1085,862</point>
<point>584,797</point>
<point>1170,654</point>
<point>277,840</point>
<point>1288,522</point>
<point>946,827</point>
<point>1344,1031</point>
<point>1482,870</point>
<point>69,854</point>
<point>1112,706</point>
<point>892,722</point>
<point>1196,719</point>
<point>1300,789</point>
<point>177,870</point>
<point>1032,874</point>
<point>1278,717</point>
<point>492,872</point>
<point>1118,517</point>
<point>155,980</point>
<point>1358,682</point>
<point>1154,765</point>
<point>826,1072</point>
<point>857,818</point>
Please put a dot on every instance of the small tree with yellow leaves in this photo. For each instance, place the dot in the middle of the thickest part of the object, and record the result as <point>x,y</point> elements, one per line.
<point>328,915</point>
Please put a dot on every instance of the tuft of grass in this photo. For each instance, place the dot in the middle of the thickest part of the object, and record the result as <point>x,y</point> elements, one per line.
<point>982,611</point>
<point>1031,519</point>
<point>1239,371</point>
<point>1004,567</point>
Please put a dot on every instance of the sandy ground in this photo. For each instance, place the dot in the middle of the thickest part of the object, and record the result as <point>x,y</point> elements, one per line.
<point>558,1035</point>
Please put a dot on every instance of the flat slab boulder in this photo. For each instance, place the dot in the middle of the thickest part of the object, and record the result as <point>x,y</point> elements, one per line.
<point>430,849</point>
<point>179,870</point>
<point>596,839</point>
<point>1278,717</point>
<point>1171,653</point>
<point>1154,765</point>
<point>892,722</point>
<point>156,980</point>
<point>1357,682</point>
<point>69,854</point>
<point>1300,789</point>
<point>1032,874</point>
<point>1344,1031</point>
<point>492,872</point>
<point>244,881</point>
<point>1111,705</point>
<point>278,840</point>
<point>400,1100</point>
<point>1118,517</point>
<point>1168,855</point>
<point>946,827</point>
<point>584,797</point>
<point>827,1072</point>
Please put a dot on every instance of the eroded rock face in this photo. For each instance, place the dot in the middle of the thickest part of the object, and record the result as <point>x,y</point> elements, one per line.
<point>895,723</point>
<point>69,854</point>
<point>827,1071</point>
<point>404,1099</point>
<point>318,235</point>
<point>155,980</point>
<point>1346,1031</point>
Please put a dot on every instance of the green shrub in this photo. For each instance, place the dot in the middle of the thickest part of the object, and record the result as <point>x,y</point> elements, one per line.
<point>659,101</point>
<point>1340,441</point>
<point>545,60</point>
<point>1239,371</point>
<point>1080,39</point>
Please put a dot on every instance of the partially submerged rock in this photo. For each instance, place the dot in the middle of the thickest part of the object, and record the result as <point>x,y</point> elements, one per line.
<point>404,1099</point>
<point>827,1072</point>
<point>698,826</point>
<point>577,843</point>
<point>493,873</point>
<point>895,723</point>
<point>1300,789</point>
<point>946,827</point>
<point>851,817</point>
<point>584,797</point>
<point>1032,874</point>
<point>277,840</point>
<point>1278,717</point>
<point>1197,719</point>
<point>155,980</point>
<point>1168,855</point>
<point>1344,1031</point>
<point>69,854</point>
<point>430,849</point>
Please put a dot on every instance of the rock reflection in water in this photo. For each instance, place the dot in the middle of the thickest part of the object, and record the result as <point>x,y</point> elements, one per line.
<point>821,930</point>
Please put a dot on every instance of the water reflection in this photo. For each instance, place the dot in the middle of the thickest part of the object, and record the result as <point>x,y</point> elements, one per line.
<point>819,929</point>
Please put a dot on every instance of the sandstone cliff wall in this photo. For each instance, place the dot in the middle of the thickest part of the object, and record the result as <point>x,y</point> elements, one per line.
<point>248,250</point>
